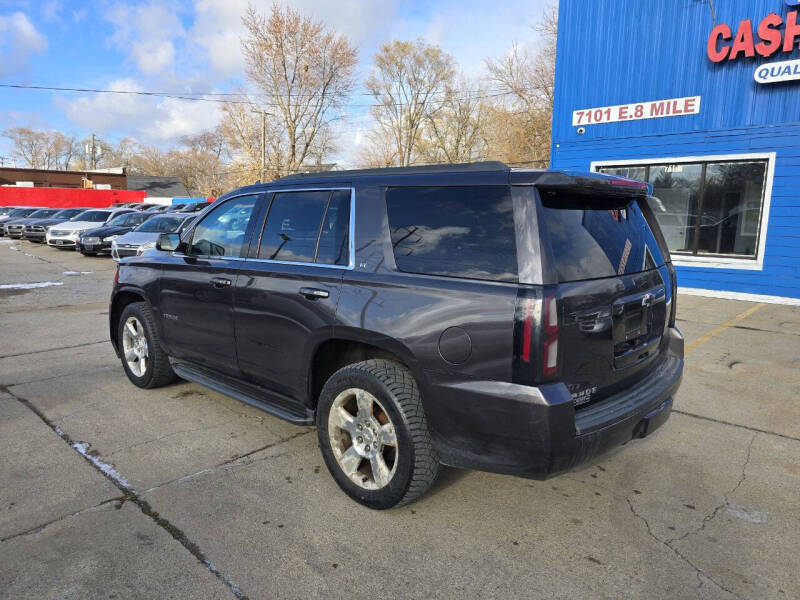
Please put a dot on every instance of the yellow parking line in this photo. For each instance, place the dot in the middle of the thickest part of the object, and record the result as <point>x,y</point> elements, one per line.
<point>717,330</point>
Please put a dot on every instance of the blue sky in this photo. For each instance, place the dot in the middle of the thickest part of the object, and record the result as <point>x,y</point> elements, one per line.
<point>193,46</point>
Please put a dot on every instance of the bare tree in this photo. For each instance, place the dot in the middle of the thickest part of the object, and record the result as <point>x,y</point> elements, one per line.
<point>409,81</point>
<point>521,121</point>
<point>304,73</point>
<point>40,149</point>
<point>377,150</point>
<point>455,133</point>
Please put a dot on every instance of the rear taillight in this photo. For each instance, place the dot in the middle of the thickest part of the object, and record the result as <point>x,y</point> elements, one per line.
<point>535,336</point>
<point>550,338</point>
<point>116,275</point>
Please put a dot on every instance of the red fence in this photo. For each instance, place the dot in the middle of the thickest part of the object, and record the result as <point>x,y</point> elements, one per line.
<point>66,197</point>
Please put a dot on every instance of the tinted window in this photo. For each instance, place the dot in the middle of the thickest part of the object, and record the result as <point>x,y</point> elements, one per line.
<point>94,216</point>
<point>454,231</point>
<point>293,226</point>
<point>21,212</point>
<point>68,213</point>
<point>594,239</point>
<point>222,231</point>
<point>43,214</point>
<point>161,225</point>
<point>334,241</point>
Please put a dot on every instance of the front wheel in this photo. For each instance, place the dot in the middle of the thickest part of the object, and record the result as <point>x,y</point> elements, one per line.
<point>143,359</point>
<point>374,436</point>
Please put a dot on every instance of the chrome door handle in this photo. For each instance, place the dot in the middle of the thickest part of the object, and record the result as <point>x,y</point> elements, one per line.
<point>314,293</point>
<point>220,282</point>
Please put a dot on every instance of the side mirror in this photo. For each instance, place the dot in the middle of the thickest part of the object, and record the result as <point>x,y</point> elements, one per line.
<point>169,242</point>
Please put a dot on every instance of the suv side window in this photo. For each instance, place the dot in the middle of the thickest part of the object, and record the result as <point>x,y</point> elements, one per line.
<point>334,240</point>
<point>454,231</point>
<point>222,231</point>
<point>308,226</point>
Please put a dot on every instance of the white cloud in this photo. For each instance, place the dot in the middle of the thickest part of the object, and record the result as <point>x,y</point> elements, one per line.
<point>217,29</point>
<point>150,120</point>
<point>19,39</point>
<point>147,33</point>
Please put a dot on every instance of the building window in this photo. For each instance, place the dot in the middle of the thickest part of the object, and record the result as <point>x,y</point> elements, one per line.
<point>705,208</point>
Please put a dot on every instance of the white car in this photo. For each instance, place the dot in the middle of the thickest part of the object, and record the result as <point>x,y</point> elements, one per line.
<point>65,235</point>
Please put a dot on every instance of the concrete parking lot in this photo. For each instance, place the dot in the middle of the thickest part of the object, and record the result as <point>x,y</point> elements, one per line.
<point>108,491</point>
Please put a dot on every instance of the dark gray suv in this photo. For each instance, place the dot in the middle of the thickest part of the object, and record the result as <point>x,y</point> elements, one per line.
<point>508,320</point>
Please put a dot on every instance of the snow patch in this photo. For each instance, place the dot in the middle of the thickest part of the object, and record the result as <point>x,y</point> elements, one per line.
<point>28,286</point>
<point>83,449</point>
<point>6,241</point>
<point>14,248</point>
<point>77,272</point>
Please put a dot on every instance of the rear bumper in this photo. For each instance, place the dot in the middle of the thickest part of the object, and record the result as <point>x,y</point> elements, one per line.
<point>536,432</point>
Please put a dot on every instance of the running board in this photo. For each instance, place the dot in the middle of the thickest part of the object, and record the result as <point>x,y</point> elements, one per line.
<point>249,395</point>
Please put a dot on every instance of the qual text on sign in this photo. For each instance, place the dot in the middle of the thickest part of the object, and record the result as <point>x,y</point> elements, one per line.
<point>655,109</point>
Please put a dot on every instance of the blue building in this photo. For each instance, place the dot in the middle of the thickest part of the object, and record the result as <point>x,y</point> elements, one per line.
<point>701,99</point>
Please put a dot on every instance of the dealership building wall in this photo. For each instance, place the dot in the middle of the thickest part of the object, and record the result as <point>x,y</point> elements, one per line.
<point>638,93</point>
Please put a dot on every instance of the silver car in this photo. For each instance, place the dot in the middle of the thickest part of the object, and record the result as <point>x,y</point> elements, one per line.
<point>144,237</point>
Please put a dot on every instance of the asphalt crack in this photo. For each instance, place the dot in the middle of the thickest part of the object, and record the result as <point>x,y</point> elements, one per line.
<point>231,462</point>
<point>747,427</point>
<point>726,503</point>
<point>670,543</point>
<point>130,495</point>
<point>77,513</point>
<point>55,349</point>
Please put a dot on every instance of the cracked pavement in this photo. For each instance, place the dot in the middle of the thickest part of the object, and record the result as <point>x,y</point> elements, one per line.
<point>183,493</point>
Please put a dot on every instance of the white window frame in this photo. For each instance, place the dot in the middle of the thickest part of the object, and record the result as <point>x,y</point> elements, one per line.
<point>716,262</point>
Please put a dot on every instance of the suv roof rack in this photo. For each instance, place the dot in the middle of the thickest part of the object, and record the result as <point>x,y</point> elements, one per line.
<point>476,167</point>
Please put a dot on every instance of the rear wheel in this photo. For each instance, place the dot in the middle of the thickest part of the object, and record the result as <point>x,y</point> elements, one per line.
<point>373,434</point>
<point>145,363</point>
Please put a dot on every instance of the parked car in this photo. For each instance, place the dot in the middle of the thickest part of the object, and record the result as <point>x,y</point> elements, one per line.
<point>507,320</point>
<point>144,237</point>
<point>35,232</point>
<point>94,241</point>
<point>65,235</point>
<point>16,213</point>
<point>193,207</point>
<point>15,228</point>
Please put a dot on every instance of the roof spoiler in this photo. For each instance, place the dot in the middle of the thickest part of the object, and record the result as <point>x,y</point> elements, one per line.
<point>589,184</point>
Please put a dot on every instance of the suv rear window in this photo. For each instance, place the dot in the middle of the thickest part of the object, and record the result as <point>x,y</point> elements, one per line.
<point>594,238</point>
<point>454,231</point>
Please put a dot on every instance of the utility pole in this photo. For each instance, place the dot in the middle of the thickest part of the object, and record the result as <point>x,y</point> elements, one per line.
<point>263,114</point>
<point>91,150</point>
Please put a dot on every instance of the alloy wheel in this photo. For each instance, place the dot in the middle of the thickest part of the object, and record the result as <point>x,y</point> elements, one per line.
<point>363,439</point>
<point>134,346</point>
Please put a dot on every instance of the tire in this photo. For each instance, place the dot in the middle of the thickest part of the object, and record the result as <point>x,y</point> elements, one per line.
<point>396,411</point>
<point>155,371</point>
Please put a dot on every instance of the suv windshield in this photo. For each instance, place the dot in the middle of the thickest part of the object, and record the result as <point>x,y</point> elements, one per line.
<point>128,220</point>
<point>92,216</point>
<point>161,224</point>
<point>68,213</point>
<point>594,238</point>
<point>43,214</point>
<point>21,212</point>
